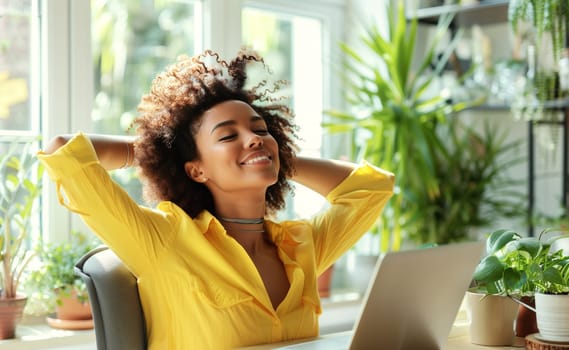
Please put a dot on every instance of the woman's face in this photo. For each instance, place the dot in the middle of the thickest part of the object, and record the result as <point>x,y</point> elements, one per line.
<point>236,152</point>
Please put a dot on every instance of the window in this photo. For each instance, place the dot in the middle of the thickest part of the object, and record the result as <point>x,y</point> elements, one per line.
<point>19,98</point>
<point>99,57</point>
<point>131,43</point>
<point>292,45</point>
<point>17,89</point>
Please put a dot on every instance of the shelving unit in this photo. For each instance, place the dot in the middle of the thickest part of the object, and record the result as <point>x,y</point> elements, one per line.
<point>563,107</point>
<point>492,12</point>
<point>560,106</point>
<point>484,12</point>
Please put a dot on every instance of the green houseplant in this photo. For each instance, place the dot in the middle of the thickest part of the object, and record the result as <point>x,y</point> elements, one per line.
<point>544,15</point>
<point>519,266</point>
<point>500,279</point>
<point>548,279</point>
<point>55,281</point>
<point>20,186</point>
<point>522,268</point>
<point>472,166</point>
<point>546,41</point>
<point>393,105</point>
<point>399,121</point>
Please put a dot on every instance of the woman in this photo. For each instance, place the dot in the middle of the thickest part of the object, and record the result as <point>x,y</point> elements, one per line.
<point>214,272</point>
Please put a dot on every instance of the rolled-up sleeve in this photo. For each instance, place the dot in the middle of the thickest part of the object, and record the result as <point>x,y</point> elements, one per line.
<point>355,206</point>
<point>86,188</point>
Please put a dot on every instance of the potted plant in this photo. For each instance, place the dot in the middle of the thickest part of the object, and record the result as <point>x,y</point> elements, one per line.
<point>400,121</point>
<point>20,186</point>
<point>551,286</point>
<point>472,164</point>
<point>498,279</point>
<point>59,286</point>
<point>520,268</point>
<point>392,104</point>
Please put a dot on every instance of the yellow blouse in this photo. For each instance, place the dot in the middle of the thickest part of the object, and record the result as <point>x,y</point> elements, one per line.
<point>199,289</point>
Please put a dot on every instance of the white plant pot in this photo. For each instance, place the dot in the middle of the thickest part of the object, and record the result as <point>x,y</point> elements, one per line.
<point>552,313</point>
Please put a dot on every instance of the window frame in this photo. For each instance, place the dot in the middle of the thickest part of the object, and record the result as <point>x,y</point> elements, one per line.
<point>331,14</point>
<point>65,90</point>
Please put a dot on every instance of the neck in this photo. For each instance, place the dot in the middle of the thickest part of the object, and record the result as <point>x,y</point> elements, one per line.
<point>239,205</point>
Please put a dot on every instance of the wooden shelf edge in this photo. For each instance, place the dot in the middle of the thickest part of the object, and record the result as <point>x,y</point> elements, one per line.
<point>483,12</point>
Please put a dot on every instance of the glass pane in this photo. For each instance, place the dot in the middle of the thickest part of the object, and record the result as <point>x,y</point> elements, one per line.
<point>15,71</point>
<point>291,46</point>
<point>134,40</point>
<point>271,36</point>
<point>20,185</point>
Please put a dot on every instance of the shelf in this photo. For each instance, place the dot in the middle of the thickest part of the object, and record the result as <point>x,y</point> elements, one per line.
<point>561,104</point>
<point>482,13</point>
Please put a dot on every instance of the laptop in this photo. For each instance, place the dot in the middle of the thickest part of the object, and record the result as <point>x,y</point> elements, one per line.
<point>411,302</point>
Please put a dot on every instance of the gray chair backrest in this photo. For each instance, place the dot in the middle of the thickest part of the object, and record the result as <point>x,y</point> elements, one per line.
<point>113,293</point>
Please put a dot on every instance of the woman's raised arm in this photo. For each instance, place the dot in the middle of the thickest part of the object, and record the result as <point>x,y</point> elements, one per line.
<point>321,175</point>
<point>113,151</point>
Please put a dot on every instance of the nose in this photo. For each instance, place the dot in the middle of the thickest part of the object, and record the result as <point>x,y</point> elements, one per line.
<point>255,141</point>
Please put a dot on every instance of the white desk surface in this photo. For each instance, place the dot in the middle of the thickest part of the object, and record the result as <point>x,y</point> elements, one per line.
<point>458,340</point>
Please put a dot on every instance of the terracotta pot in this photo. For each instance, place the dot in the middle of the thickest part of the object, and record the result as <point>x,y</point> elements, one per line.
<point>491,319</point>
<point>325,282</point>
<point>526,322</point>
<point>11,311</point>
<point>72,309</point>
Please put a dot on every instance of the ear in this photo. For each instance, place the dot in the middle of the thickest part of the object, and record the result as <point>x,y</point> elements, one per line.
<point>194,172</point>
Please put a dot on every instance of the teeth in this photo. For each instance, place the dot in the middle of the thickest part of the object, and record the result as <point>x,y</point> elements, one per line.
<point>257,159</point>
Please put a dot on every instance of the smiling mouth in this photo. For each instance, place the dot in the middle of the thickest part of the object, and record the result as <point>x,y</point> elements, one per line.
<point>260,159</point>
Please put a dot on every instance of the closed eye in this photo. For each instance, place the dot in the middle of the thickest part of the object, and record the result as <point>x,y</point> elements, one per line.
<point>228,137</point>
<point>260,132</point>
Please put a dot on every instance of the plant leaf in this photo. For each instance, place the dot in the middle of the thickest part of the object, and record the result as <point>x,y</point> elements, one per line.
<point>490,269</point>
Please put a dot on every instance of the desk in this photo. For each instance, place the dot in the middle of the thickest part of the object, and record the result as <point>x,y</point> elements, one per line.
<point>348,309</point>
<point>458,340</point>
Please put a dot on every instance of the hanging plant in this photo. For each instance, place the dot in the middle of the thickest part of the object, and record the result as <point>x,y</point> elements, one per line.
<point>547,36</point>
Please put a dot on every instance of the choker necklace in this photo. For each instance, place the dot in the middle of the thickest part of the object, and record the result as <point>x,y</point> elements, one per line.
<point>244,221</point>
<point>260,230</point>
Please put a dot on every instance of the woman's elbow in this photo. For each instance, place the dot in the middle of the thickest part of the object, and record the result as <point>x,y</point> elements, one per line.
<point>55,143</point>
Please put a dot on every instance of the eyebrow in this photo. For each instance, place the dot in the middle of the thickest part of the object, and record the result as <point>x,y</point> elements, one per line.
<point>254,118</point>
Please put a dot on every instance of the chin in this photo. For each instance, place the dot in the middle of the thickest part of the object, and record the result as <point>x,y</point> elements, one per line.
<point>270,181</point>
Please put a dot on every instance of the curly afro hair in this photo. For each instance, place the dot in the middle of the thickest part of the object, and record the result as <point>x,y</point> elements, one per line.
<point>169,116</point>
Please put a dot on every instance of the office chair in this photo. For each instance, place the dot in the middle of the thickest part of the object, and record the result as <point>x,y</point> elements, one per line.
<point>113,293</point>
